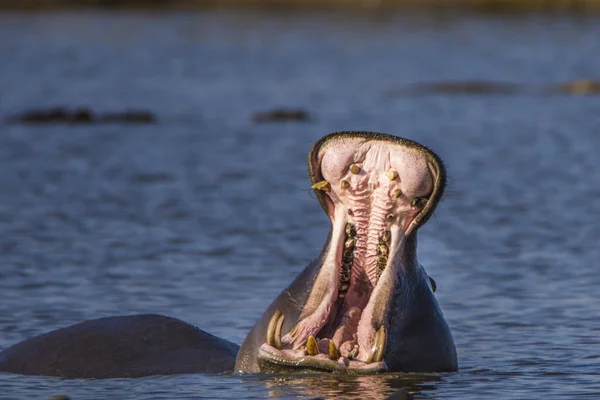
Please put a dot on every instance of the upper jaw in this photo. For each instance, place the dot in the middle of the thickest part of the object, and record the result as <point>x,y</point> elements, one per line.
<point>377,190</point>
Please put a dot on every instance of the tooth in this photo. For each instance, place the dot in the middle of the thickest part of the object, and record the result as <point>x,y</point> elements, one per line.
<point>323,185</point>
<point>353,353</point>
<point>334,353</point>
<point>383,249</point>
<point>378,348</point>
<point>350,230</point>
<point>386,236</point>
<point>345,184</point>
<point>277,336</point>
<point>396,193</point>
<point>311,346</point>
<point>392,174</point>
<point>381,342</point>
<point>272,328</point>
<point>355,169</point>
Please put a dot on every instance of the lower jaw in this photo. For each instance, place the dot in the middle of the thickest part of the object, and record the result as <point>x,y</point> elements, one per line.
<point>271,360</point>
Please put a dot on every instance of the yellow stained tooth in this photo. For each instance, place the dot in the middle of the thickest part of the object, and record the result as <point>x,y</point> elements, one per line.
<point>277,335</point>
<point>355,169</point>
<point>396,193</point>
<point>392,174</point>
<point>381,339</point>
<point>334,353</point>
<point>353,353</point>
<point>350,243</point>
<point>386,236</point>
<point>311,346</point>
<point>323,185</point>
<point>376,354</point>
<point>271,328</point>
<point>345,184</point>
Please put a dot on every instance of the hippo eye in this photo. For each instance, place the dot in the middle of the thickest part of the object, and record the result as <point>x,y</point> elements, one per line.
<point>419,202</point>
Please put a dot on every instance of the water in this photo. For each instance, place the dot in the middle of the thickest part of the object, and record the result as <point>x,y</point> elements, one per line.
<point>206,216</point>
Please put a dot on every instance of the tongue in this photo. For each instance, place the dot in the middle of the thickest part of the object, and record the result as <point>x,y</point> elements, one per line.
<point>346,332</point>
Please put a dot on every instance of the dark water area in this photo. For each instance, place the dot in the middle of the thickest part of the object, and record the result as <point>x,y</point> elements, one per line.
<point>206,215</point>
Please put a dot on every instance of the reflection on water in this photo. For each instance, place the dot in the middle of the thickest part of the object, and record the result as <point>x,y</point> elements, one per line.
<point>206,216</point>
<point>337,386</point>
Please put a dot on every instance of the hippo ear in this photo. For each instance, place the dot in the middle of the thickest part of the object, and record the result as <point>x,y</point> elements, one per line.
<point>332,140</point>
<point>433,284</point>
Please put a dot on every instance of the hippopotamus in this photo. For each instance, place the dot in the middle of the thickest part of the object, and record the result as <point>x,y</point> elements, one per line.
<point>365,305</point>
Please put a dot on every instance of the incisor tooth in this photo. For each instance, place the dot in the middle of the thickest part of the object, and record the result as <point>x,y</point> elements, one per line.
<point>396,193</point>
<point>334,353</point>
<point>273,323</point>
<point>323,185</point>
<point>345,184</point>
<point>311,346</point>
<point>353,353</point>
<point>392,174</point>
<point>355,169</point>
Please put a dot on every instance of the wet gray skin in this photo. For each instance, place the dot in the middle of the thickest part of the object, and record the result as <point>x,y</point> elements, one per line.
<point>417,338</point>
<point>365,305</point>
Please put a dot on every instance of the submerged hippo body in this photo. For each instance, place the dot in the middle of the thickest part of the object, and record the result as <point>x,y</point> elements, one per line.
<point>365,305</point>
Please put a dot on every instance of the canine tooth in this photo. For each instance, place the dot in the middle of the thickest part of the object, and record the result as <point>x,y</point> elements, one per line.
<point>271,329</point>
<point>378,348</point>
<point>355,169</point>
<point>381,342</point>
<point>392,174</point>
<point>311,346</point>
<point>345,184</point>
<point>277,336</point>
<point>334,353</point>
<point>396,193</point>
<point>323,185</point>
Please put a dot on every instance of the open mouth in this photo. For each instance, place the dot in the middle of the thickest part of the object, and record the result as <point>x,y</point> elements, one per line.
<point>377,190</point>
